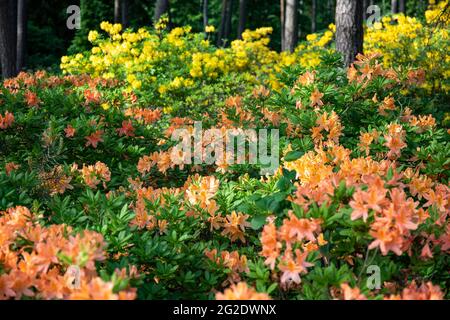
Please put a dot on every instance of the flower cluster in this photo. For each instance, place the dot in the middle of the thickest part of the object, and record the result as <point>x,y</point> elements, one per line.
<point>230,260</point>
<point>36,261</point>
<point>6,120</point>
<point>295,235</point>
<point>402,39</point>
<point>241,291</point>
<point>93,175</point>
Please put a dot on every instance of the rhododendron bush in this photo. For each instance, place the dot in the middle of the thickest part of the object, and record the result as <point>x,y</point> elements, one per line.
<point>94,207</point>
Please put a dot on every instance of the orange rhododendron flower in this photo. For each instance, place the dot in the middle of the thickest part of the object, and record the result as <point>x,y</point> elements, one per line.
<point>37,269</point>
<point>261,91</point>
<point>148,116</point>
<point>352,74</point>
<point>270,245</point>
<point>351,294</point>
<point>292,268</point>
<point>299,229</point>
<point>422,122</point>
<point>331,125</point>
<point>145,164</point>
<point>92,96</point>
<point>387,104</point>
<point>97,289</point>
<point>307,78</point>
<point>32,99</point>
<point>11,166</point>
<point>395,140</point>
<point>360,208</point>
<point>94,174</point>
<point>366,139</point>
<point>426,291</point>
<point>201,190</point>
<point>126,129</point>
<point>231,260</point>
<point>241,291</point>
<point>94,139</point>
<point>234,226</point>
<point>70,131</point>
<point>416,77</point>
<point>315,98</point>
<point>7,120</point>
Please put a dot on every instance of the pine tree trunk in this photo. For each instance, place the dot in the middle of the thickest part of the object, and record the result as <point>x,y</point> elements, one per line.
<point>124,13</point>
<point>228,20</point>
<point>242,17</point>
<point>205,14</point>
<point>21,33</point>
<point>365,6</point>
<point>291,27</point>
<point>8,38</point>
<point>394,6</point>
<point>282,23</point>
<point>13,21</point>
<point>359,41</point>
<point>313,16</point>
<point>221,32</point>
<point>225,23</point>
<point>349,29</point>
<point>402,6</point>
<point>116,11</point>
<point>161,7</point>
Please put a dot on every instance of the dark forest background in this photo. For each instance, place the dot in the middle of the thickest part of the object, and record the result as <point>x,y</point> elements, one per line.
<point>48,38</point>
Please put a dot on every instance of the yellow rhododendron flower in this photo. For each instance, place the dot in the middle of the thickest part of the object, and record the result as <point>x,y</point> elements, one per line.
<point>210,29</point>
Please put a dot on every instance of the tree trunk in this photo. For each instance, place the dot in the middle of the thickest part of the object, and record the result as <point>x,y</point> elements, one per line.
<point>161,7</point>
<point>8,38</point>
<point>291,26</point>
<point>282,23</point>
<point>365,6</point>
<point>228,20</point>
<point>402,6</point>
<point>21,34</point>
<point>13,21</point>
<point>116,11</point>
<point>359,40</point>
<point>242,17</point>
<point>121,12</point>
<point>394,6</point>
<point>313,16</point>
<point>124,13</point>
<point>223,15</point>
<point>349,29</point>
<point>205,14</point>
<point>225,23</point>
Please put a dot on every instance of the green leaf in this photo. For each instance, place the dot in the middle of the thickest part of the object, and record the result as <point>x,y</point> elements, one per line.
<point>272,287</point>
<point>258,221</point>
<point>284,184</point>
<point>293,155</point>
